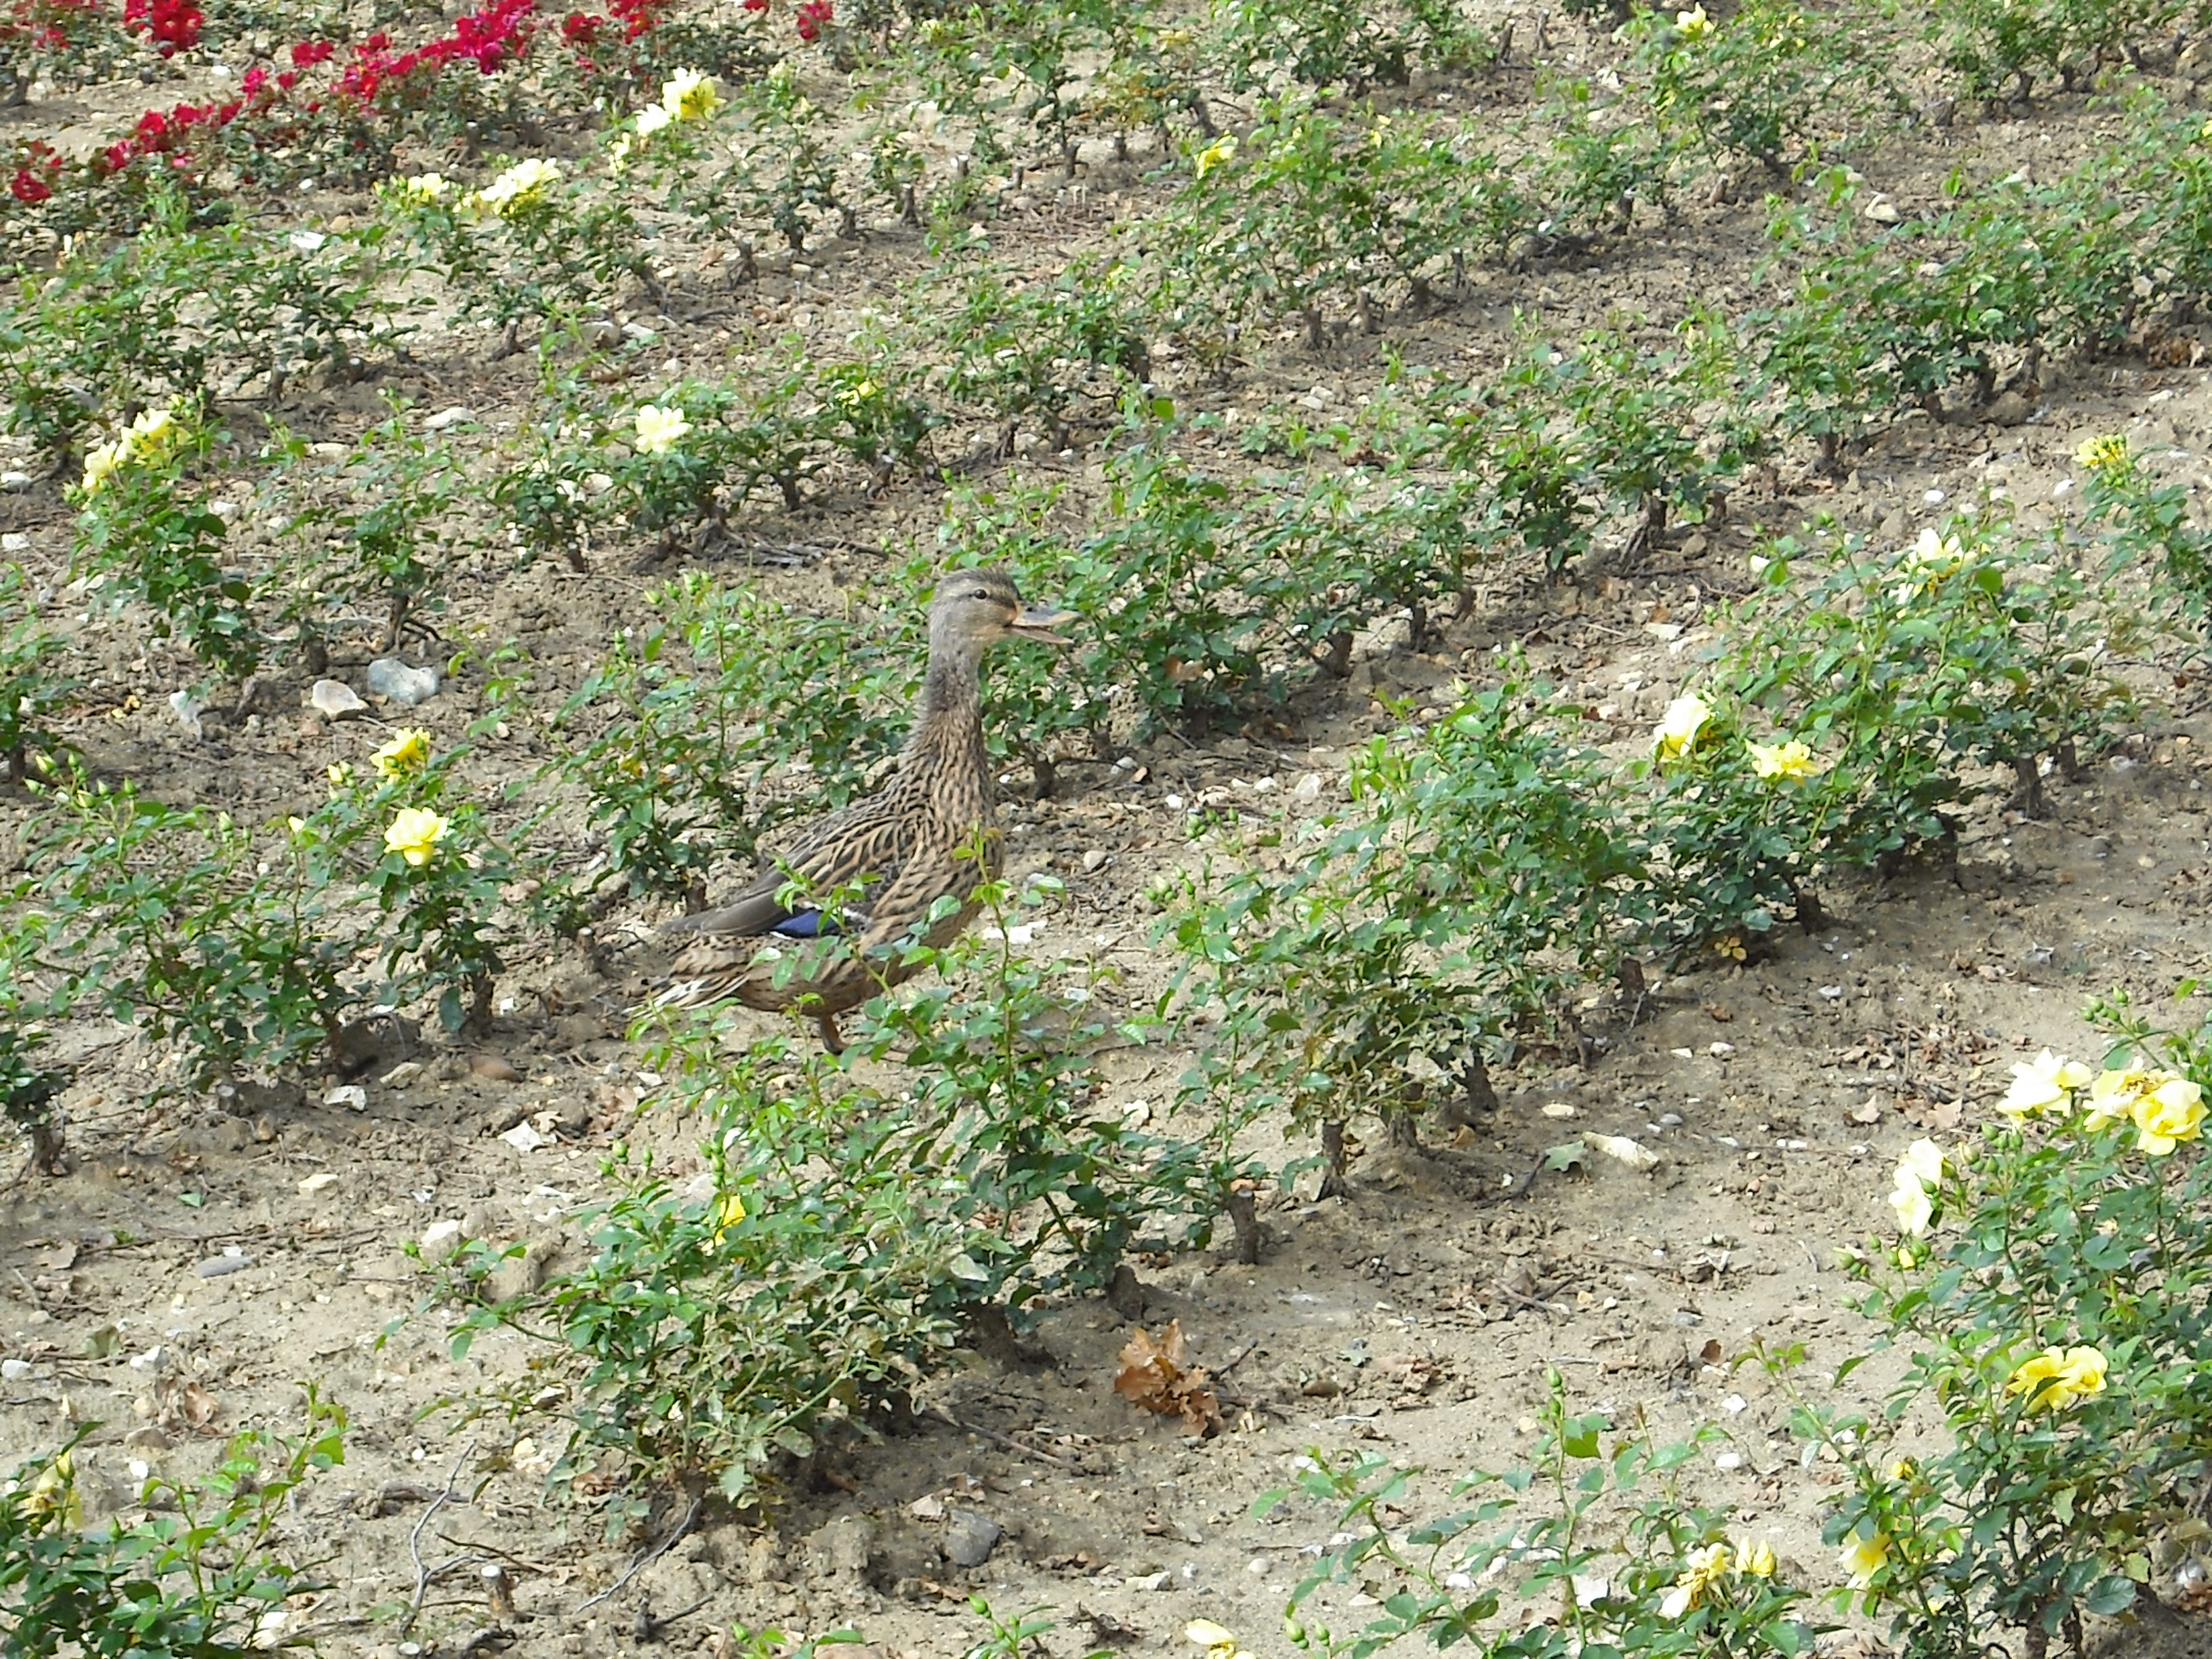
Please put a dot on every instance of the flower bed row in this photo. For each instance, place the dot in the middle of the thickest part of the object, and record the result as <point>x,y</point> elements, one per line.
<point>356,103</point>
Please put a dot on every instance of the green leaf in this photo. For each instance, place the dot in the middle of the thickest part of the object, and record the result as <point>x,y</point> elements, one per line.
<point>1567,1155</point>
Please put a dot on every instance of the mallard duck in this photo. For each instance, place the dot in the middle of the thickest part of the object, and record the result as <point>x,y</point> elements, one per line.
<point>883,863</point>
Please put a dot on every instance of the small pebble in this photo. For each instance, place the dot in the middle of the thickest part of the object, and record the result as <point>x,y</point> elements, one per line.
<point>217,1267</point>
<point>493,1067</point>
<point>315,1183</point>
<point>351,1095</point>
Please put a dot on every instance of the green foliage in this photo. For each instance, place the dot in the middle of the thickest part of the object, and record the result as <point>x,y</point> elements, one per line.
<point>1601,1545</point>
<point>535,243</point>
<point>1488,868</point>
<point>1017,1637</point>
<point>182,312</point>
<point>1064,1184</point>
<point>147,533</point>
<point>1028,350</point>
<point>2147,518</point>
<point>378,531</point>
<point>1308,210</point>
<point>2000,49</point>
<point>1766,82</point>
<point>737,713</point>
<point>2050,1292</point>
<point>1338,43</point>
<point>844,1232</point>
<point>198,1576</point>
<point>193,927</point>
<point>30,690</point>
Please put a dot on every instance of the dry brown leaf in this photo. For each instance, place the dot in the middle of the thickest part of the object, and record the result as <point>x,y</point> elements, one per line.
<point>1156,1376</point>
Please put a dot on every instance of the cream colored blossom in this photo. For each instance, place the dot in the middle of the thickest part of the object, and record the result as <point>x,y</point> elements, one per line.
<point>1755,1559</point>
<point>521,186</point>
<point>1915,1209</point>
<point>658,429</point>
<point>1693,24</point>
<point>688,95</point>
<point>1218,1641</point>
<point>1680,725</point>
<point>2042,1083</point>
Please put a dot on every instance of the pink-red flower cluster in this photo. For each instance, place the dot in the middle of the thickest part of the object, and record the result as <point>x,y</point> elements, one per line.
<point>279,107</point>
<point>173,25</point>
<point>34,182</point>
<point>487,38</point>
<point>813,15</point>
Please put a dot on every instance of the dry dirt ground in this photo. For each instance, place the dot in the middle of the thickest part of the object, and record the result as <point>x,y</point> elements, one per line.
<point>180,1283</point>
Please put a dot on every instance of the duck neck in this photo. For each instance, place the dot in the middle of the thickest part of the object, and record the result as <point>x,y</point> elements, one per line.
<point>948,725</point>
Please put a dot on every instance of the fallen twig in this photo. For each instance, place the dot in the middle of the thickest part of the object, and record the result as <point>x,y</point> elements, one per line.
<point>425,1576</point>
<point>690,1519</point>
<point>1006,1440</point>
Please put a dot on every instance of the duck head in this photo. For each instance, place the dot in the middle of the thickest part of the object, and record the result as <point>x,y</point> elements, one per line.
<point>976,609</point>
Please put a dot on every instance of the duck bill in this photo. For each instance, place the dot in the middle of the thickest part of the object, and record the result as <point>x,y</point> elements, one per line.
<point>1040,621</point>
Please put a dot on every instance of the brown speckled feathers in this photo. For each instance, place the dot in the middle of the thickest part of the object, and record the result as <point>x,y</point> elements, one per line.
<point>904,850</point>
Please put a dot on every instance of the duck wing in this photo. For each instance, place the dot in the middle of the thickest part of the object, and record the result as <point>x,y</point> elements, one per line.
<point>865,844</point>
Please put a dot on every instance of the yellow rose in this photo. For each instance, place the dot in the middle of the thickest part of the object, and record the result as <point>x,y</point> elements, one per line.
<point>690,96</point>
<point>1781,760</point>
<point>2106,454</point>
<point>2113,1095</point>
<point>2057,1377</point>
<point>1220,150</point>
<point>2042,1083</point>
<point>54,1495</point>
<point>100,464</point>
<point>521,186</point>
<point>1863,1558</point>
<point>422,189</point>
<point>727,1214</point>
<point>1693,24</point>
<point>340,773</point>
<point>1680,725</point>
<point>2167,1116</point>
<point>408,753</point>
<point>414,835</point>
<point>660,431</point>
<point>1756,1559</point>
